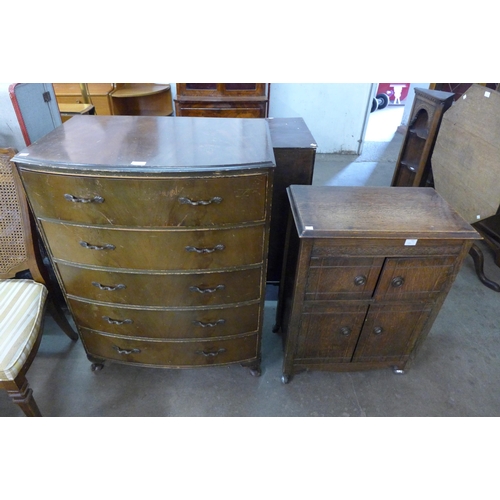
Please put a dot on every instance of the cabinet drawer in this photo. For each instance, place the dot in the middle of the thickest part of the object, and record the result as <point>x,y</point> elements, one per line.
<point>148,202</point>
<point>168,290</point>
<point>414,278</point>
<point>175,354</point>
<point>342,278</point>
<point>167,324</point>
<point>156,249</point>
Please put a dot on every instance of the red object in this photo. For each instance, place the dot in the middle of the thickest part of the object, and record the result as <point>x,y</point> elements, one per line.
<point>388,89</point>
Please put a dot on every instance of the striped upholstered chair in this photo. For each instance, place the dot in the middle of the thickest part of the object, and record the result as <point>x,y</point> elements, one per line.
<point>23,297</point>
<point>22,307</point>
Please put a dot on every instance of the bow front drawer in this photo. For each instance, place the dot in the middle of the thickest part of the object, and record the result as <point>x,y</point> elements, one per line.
<point>176,201</point>
<point>167,323</point>
<point>156,250</point>
<point>180,354</point>
<point>176,290</point>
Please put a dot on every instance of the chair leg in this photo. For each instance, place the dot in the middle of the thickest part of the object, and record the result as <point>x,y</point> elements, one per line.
<point>60,318</point>
<point>477,256</point>
<point>22,395</point>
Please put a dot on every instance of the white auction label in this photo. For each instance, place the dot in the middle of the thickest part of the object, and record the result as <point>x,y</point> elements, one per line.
<point>410,243</point>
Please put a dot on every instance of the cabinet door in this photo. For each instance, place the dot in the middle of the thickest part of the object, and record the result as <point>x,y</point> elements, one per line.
<point>329,332</point>
<point>390,331</point>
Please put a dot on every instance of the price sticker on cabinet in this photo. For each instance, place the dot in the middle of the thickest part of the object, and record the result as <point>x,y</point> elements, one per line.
<point>410,243</point>
<point>309,228</point>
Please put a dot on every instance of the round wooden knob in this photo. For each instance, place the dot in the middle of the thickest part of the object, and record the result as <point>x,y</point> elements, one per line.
<point>397,281</point>
<point>345,330</point>
<point>359,280</point>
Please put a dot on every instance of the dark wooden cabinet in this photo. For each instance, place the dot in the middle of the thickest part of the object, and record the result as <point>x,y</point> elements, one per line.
<point>295,153</point>
<point>225,100</point>
<point>413,167</point>
<point>158,231</point>
<point>365,274</point>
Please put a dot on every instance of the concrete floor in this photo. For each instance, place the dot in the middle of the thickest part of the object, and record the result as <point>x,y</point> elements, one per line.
<point>456,372</point>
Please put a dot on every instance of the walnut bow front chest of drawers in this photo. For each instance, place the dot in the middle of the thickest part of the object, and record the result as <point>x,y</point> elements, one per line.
<point>365,274</point>
<point>157,228</point>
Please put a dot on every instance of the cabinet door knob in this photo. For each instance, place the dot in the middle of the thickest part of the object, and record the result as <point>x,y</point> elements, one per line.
<point>345,330</point>
<point>378,330</point>
<point>360,280</point>
<point>397,281</point>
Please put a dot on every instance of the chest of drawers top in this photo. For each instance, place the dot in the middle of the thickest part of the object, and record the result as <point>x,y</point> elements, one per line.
<point>375,212</point>
<point>127,145</point>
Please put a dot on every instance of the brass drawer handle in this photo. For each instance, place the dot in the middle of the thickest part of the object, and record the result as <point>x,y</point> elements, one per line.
<point>345,330</point>
<point>119,350</point>
<point>206,290</point>
<point>211,353</point>
<point>107,246</point>
<point>117,321</point>
<point>205,250</point>
<point>378,330</point>
<point>76,199</point>
<point>187,201</point>
<point>360,280</point>
<point>109,288</point>
<point>209,325</point>
<point>397,281</point>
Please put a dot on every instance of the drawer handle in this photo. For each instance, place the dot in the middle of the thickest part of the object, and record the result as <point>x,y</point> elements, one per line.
<point>378,330</point>
<point>345,330</point>
<point>209,325</point>
<point>119,350</point>
<point>109,288</point>
<point>107,246</point>
<point>187,201</point>
<point>359,280</point>
<point>205,250</point>
<point>397,281</point>
<point>76,199</point>
<point>117,321</point>
<point>211,353</point>
<point>206,290</point>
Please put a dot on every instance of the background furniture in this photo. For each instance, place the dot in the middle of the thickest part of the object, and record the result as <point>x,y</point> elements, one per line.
<point>69,110</point>
<point>365,275</point>
<point>413,167</point>
<point>295,152</point>
<point>229,100</point>
<point>36,109</point>
<point>141,99</point>
<point>466,167</point>
<point>159,235</point>
<point>86,93</point>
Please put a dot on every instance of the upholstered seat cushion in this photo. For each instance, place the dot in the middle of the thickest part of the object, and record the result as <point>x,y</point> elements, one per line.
<point>21,314</point>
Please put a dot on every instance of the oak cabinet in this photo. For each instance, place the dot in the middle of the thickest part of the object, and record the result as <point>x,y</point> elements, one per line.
<point>366,271</point>
<point>157,228</point>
